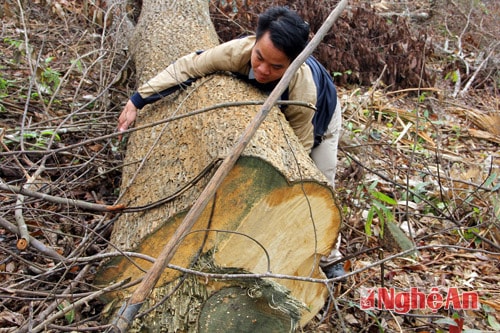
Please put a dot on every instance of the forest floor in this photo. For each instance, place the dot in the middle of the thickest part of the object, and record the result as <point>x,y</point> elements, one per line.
<point>427,159</point>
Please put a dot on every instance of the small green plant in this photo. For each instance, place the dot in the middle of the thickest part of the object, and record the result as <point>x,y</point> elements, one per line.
<point>49,78</point>
<point>421,97</point>
<point>492,321</point>
<point>38,139</point>
<point>452,76</point>
<point>416,192</point>
<point>78,64</point>
<point>13,42</point>
<point>347,72</point>
<point>469,234</point>
<point>19,48</point>
<point>390,235</point>
<point>379,209</point>
<point>351,128</point>
<point>70,315</point>
<point>4,85</point>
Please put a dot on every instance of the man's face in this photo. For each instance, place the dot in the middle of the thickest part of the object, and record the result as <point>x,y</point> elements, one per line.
<point>268,63</point>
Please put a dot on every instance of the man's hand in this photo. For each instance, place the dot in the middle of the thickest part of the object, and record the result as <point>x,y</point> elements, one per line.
<point>127,117</point>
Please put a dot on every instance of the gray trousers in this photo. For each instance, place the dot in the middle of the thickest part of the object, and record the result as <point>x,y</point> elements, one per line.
<point>325,154</point>
<point>325,158</point>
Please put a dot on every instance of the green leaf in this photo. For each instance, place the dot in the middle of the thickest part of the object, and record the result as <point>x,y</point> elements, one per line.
<point>496,207</point>
<point>453,76</point>
<point>372,186</point>
<point>420,187</point>
<point>29,135</point>
<point>487,308</point>
<point>78,65</point>
<point>490,179</point>
<point>384,198</point>
<point>369,220</point>
<point>421,98</point>
<point>381,219</point>
<point>492,321</point>
<point>383,212</point>
<point>403,242</point>
<point>446,321</point>
<point>469,233</point>
<point>379,205</point>
<point>50,133</point>
<point>70,315</point>
<point>388,215</point>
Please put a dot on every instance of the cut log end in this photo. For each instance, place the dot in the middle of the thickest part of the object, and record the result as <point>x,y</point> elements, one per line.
<point>257,222</point>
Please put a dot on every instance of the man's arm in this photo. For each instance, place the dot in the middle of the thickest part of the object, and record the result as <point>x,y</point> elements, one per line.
<point>232,56</point>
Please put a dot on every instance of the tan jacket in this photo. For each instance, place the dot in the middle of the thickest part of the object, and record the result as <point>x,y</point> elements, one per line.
<point>234,56</point>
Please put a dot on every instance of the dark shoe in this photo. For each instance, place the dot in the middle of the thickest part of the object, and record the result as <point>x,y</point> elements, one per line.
<point>334,271</point>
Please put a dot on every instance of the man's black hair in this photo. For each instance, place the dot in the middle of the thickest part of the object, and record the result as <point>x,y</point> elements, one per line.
<point>288,31</point>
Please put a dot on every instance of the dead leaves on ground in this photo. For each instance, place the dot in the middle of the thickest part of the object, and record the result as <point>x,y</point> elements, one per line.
<point>418,150</point>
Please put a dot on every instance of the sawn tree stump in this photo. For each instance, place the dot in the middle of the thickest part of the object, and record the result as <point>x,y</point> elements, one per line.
<point>274,212</point>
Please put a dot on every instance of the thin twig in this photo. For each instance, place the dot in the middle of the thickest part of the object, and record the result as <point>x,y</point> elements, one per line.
<point>230,276</point>
<point>64,201</point>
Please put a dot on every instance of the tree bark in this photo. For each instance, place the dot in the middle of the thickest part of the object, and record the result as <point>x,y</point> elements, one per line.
<point>273,213</point>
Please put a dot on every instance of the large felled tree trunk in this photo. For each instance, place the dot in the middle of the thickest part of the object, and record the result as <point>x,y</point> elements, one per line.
<point>273,213</point>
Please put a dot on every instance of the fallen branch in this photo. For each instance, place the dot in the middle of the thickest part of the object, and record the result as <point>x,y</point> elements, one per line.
<point>32,241</point>
<point>24,241</point>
